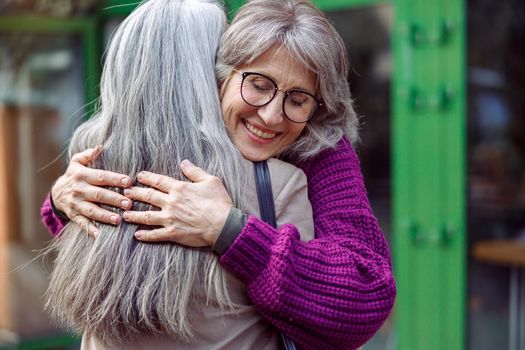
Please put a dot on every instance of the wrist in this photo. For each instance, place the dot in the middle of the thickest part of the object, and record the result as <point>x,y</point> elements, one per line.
<point>60,214</point>
<point>232,227</point>
<point>57,211</point>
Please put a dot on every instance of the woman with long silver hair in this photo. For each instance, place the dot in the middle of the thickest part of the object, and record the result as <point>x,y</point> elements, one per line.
<point>160,105</point>
<point>282,71</point>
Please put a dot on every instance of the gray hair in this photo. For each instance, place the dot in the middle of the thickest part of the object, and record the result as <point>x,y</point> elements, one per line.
<point>159,105</point>
<point>306,33</point>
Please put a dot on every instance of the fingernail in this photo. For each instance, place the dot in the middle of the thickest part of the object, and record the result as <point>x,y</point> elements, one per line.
<point>186,162</point>
<point>125,181</point>
<point>95,234</point>
<point>125,216</point>
<point>138,235</point>
<point>124,204</point>
<point>140,176</point>
<point>114,219</point>
<point>127,192</point>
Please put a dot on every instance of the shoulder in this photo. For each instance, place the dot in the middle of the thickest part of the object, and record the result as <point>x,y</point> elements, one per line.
<point>286,177</point>
<point>340,157</point>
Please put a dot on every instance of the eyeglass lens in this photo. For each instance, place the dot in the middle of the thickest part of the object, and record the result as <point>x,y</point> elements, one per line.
<point>258,90</point>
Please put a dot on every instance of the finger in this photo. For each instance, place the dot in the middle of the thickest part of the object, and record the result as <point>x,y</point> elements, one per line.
<point>147,195</point>
<point>109,197</point>
<point>157,235</point>
<point>96,213</point>
<point>86,225</point>
<point>193,172</point>
<point>150,218</point>
<point>160,182</point>
<point>99,177</point>
<point>87,156</point>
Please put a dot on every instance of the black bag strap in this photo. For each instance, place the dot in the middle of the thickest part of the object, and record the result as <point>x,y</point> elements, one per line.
<point>263,183</point>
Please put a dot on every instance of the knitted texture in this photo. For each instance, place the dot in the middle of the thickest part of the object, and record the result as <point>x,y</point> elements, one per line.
<point>53,223</point>
<point>333,292</point>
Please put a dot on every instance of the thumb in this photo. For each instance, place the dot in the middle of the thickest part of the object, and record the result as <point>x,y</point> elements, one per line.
<point>193,172</point>
<point>87,156</point>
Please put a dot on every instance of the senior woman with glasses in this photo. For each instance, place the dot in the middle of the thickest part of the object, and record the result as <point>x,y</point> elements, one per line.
<point>282,71</point>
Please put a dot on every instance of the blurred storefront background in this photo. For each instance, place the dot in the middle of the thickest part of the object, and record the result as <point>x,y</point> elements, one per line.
<point>438,85</point>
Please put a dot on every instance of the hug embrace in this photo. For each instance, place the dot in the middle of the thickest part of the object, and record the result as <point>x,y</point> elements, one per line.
<point>159,240</point>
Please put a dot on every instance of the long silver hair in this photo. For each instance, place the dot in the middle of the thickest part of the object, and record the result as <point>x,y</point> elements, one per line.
<point>159,105</point>
<point>306,33</point>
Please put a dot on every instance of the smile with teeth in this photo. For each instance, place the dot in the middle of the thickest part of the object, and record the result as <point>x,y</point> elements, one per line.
<point>259,133</point>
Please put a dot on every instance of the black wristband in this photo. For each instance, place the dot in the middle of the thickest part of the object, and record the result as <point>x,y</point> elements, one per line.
<point>231,229</point>
<point>57,212</point>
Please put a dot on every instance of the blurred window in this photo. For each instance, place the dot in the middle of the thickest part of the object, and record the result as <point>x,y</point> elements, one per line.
<point>496,156</point>
<point>54,8</point>
<point>41,101</point>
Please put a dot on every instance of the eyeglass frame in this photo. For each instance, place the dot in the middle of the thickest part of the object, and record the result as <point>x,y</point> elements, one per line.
<point>285,92</point>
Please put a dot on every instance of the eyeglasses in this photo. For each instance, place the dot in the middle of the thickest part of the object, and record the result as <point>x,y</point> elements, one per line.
<point>258,90</point>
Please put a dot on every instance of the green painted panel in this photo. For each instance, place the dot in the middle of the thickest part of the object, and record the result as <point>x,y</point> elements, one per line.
<point>118,8</point>
<point>60,341</point>
<point>232,6</point>
<point>92,45</point>
<point>44,24</point>
<point>454,170</point>
<point>332,5</point>
<point>429,175</point>
<point>325,5</point>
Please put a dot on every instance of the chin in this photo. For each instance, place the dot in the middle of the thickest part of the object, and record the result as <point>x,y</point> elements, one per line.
<point>255,157</point>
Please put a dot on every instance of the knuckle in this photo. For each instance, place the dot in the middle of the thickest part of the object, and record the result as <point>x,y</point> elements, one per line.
<point>73,205</point>
<point>157,183</point>
<point>147,194</point>
<point>169,219</point>
<point>117,201</point>
<point>76,192</point>
<point>171,202</point>
<point>100,176</point>
<point>76,175</point>
<point>215,180</point>
<point>98,195</point>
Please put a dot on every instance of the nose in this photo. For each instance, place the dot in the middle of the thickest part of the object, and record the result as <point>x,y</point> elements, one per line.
<point>272,113</point>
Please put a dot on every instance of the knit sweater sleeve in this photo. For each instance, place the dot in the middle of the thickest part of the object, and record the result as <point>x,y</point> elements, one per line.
<point>50,220</point>
<point>335,291</point>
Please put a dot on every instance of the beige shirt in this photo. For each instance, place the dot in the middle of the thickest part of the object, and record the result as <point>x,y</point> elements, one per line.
<point>245,329</point>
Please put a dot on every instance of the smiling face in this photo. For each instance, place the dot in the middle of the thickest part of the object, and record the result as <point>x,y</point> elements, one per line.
<point>264,132</point>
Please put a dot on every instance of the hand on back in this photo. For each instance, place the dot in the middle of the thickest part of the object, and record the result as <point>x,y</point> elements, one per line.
<point>80,191</point>
<point>191,213</point>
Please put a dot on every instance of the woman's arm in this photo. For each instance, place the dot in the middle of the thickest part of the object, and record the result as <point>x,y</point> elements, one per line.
<point>50,219</point>
<point>335,291</point>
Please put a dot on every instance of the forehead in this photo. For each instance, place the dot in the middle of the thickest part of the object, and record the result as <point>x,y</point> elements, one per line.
<point>284,69</point>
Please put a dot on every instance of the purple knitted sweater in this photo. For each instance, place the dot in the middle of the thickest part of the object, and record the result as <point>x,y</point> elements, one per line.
<point>333,292</point>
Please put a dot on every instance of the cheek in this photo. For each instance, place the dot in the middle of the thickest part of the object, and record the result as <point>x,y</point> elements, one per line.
<point>229,113</point>
<point>295,131</point>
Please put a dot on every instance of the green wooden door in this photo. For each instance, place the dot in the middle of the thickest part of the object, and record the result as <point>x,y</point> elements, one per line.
<point>428,173</point>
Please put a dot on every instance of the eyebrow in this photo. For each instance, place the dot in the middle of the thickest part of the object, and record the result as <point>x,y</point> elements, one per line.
<point>293,88</point>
